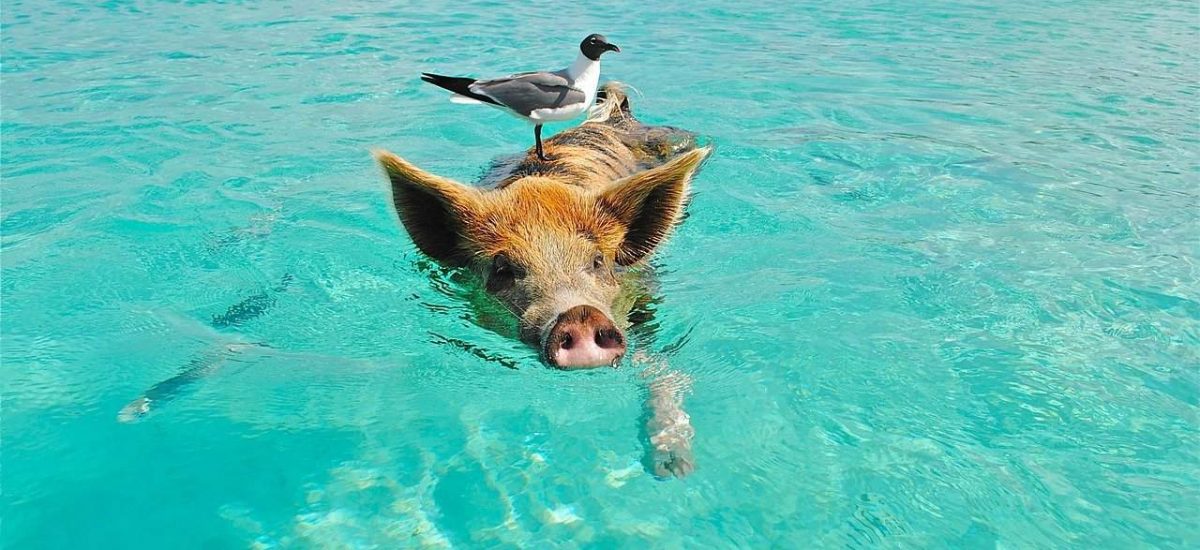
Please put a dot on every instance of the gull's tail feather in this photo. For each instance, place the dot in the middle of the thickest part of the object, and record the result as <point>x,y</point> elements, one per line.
<point>460,86</point>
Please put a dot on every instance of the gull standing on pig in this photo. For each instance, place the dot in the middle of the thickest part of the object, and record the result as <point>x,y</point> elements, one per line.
<point>539,97</point>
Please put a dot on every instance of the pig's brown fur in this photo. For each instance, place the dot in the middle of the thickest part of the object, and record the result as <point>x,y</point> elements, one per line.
<point>614,186</point>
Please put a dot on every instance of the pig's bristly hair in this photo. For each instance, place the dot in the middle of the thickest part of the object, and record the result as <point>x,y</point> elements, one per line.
<point>614,106</point>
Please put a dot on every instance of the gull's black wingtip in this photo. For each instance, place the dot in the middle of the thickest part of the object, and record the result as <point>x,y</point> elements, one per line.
<point>457,84</point>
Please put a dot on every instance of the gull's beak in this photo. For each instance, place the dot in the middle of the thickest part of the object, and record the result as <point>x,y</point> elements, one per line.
<point>612,48</point>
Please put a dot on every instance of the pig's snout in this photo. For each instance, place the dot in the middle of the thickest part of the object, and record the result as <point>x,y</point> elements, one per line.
<point>583,337</point>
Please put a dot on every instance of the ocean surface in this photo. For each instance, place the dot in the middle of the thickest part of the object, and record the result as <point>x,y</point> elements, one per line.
<point>938,286</point>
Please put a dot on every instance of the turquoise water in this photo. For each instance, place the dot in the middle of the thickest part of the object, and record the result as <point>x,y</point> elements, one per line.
<point>938,287</point>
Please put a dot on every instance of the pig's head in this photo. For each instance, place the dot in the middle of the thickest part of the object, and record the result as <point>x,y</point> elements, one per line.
<point>551,250</point>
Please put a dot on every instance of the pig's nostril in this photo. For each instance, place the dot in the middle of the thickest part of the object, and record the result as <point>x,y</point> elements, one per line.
<point>608,338</point>
<point>567,341</point>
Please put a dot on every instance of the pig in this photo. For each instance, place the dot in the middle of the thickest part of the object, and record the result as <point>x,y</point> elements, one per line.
<point>563,244</point>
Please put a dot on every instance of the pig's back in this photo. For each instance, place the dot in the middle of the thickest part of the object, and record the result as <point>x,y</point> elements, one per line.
<point>610,145</point>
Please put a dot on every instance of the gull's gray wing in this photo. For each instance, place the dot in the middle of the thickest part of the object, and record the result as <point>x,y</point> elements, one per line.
<point>526,92</point>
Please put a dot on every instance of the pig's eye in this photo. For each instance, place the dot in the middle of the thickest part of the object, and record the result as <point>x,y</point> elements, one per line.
<point>598,262</point>
<point>502,274</point>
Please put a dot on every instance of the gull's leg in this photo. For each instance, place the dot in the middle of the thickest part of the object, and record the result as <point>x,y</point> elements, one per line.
<point>537,135</point>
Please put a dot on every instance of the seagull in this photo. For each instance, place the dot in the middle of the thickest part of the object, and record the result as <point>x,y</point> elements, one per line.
<point>539,97</point>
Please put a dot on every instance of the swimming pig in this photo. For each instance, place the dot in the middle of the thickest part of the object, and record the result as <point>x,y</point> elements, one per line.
<point>562,243</point>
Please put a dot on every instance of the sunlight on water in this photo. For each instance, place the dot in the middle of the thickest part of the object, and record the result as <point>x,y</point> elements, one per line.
<point>938,286</point>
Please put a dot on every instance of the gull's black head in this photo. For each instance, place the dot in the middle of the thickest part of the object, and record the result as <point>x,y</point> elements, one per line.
<point>595,45</point>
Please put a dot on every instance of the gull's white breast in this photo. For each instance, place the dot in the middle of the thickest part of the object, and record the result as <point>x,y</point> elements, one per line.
<point>585,76</point>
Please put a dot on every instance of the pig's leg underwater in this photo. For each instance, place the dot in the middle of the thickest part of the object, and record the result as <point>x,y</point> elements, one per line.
<point>668,426</point>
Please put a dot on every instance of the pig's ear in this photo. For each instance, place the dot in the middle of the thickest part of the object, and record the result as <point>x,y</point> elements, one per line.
<point>650,203</point>
<point>434,210</point>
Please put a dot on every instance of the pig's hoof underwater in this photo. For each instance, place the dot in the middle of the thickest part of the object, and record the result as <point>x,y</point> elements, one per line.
<point>672,450</point>
<point>671,460</point>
